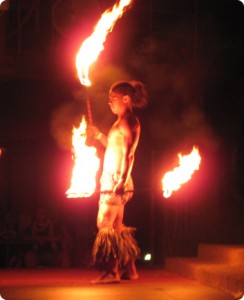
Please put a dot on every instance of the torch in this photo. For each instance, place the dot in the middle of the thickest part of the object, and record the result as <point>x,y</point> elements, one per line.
<point>86,163</point>
<point>94,45</point>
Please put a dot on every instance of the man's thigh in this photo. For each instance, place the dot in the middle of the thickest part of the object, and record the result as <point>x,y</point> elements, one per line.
<point>107,215</point>
<point>119,218</point>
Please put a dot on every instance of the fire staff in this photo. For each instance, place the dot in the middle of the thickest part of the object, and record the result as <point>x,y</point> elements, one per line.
<point>115,250</point>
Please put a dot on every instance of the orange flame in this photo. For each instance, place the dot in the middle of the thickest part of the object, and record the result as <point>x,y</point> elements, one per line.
<point>173,180</point>
<point>86,165</point>
<point>93,45</point>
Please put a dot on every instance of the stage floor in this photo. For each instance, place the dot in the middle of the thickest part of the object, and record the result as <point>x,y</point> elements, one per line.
<point>61,284</point>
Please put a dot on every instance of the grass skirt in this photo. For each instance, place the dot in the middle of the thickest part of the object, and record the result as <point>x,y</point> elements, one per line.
<point>110,245</point>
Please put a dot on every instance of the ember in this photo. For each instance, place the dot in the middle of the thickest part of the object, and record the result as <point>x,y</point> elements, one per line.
<point>86,165</point>
<point>188,164</point>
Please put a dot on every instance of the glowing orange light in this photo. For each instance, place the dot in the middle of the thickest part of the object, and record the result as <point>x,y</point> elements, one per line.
<point>93,45</point>
<point>86,165</point>
<point>188,164</point>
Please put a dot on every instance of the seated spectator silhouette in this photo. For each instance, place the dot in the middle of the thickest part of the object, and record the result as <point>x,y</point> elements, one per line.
<point>8,234</point>
<point>22,241</point>
<point>48,245</point>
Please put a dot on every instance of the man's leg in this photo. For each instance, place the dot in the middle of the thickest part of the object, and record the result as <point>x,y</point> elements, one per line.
<point>131,271</point>
<point>118,222</point>
<point>106,237</point>
<point>106,215</point>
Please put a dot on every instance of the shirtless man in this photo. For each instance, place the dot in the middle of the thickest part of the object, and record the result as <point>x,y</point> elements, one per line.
<point>114,245</point>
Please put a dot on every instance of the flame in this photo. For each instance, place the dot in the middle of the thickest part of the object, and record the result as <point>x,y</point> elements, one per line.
<point>1,1</point>
<point>86,164</point>
<point>188,164</point>
<point>93,45</point>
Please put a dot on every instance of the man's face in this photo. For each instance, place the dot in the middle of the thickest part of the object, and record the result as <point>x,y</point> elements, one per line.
<point>116,103</point>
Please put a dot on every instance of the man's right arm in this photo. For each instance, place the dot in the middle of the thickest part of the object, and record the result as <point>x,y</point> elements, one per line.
<point>98,135</point>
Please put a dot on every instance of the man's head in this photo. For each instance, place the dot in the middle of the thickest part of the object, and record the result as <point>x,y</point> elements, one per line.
<point>119,103</point>
<point>134,90</point>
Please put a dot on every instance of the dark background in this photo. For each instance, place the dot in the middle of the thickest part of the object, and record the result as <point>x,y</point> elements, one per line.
<point>190,55</point>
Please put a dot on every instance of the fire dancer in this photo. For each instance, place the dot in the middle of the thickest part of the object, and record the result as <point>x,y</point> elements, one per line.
<point>115,246</point>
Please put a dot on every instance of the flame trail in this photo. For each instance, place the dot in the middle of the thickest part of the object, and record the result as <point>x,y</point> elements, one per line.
<point>93,45</point>
<point>188,164</point>
<point>86,165</point>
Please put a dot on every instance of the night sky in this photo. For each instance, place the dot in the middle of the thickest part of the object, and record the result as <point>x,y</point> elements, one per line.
<point>190,55</point>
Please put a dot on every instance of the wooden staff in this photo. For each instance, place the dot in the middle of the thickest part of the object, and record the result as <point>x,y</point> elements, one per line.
<point>88,106</point>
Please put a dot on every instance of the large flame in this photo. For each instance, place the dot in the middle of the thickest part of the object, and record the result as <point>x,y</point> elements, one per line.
<point>86,165</point>
<point>188,164</point>
<point>93,45</point>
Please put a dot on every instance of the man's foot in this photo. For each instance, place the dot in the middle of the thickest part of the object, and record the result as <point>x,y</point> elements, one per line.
<point>107,278</point>
<point>129,276</point>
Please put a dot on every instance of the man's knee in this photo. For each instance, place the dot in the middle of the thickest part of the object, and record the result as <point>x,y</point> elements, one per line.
<point>106,216</point>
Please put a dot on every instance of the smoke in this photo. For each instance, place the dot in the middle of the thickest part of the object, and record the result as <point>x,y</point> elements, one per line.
<point>64,118</point>
<point>69,114</point>
<point>176,84</point>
